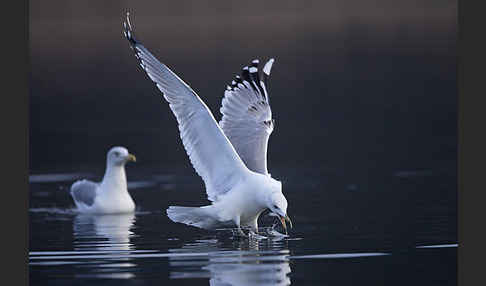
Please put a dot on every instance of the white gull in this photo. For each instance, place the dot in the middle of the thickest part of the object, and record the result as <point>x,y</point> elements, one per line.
<point>111,194</point>
<point>231,157</point>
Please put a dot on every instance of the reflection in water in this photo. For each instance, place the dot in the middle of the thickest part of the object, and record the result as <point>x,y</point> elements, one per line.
<point>108,234</point>
<point>242,262</point>
<point>103,232</point>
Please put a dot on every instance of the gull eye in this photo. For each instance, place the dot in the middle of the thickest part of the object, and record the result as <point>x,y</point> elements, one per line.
<point>275,206</point>
<point>117,154</point>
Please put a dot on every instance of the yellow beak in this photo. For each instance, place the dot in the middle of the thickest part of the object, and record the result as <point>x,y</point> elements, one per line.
<point>287,218</point>
<point>132,158</point>
<point>283,220</point>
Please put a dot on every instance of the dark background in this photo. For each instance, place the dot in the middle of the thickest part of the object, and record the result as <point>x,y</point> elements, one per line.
<point>356,86</point>
<point>364,94</point>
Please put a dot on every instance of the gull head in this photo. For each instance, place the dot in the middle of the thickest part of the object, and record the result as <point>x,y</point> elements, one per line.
<point>277,204</point>
<point>119,156</point>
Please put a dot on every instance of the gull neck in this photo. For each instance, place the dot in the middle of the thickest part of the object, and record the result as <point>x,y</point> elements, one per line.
<point>115,177</point>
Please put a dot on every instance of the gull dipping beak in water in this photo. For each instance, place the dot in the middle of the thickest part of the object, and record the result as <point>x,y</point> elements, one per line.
<point>111,194</point>
<point>283,219</point>
<point>230,156</point>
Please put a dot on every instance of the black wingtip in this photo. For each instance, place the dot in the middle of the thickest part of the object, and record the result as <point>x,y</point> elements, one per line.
<point>250,74</point>
<point>128,30</point>
<point>128,20</point>
<point>254,68</point>
<point>238,79</point>
<point>255,75</point>
<point>245,74</point>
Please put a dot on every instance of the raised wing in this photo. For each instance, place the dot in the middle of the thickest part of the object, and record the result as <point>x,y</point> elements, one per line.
<point>84,192</point>
<point>211,153</point>
<point>247,117</point>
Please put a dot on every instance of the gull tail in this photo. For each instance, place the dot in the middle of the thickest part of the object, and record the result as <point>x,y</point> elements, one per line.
<point>194,216</point>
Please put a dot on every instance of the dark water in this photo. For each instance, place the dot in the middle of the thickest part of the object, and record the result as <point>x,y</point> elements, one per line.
<point>365,103</point>
<point>395,228</point>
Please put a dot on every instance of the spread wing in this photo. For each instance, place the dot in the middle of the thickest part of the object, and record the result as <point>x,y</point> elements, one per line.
<point>84,192</point>
<point>247,117</point>
<point>211,153</point>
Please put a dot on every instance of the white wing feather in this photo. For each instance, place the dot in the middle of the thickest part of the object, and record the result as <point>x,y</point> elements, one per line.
<point>211,153</point>
<point>247,117</point>
<point>84,192</point>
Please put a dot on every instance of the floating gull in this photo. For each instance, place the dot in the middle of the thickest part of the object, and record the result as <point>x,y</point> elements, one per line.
<point>111,194</point>
<point>229,156</point>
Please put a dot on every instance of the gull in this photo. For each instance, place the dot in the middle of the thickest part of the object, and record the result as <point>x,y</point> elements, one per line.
<point>231,157</point>
<point>111,194</point>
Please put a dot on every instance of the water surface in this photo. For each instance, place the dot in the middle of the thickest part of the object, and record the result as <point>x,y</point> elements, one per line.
<point>392,228</point>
